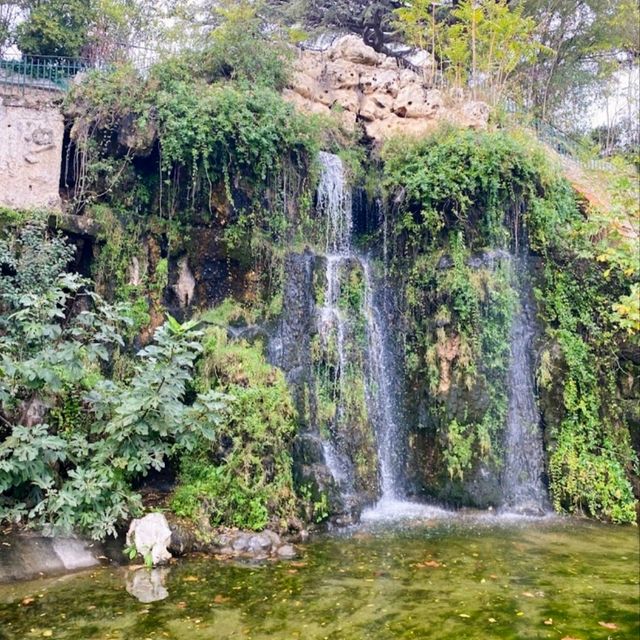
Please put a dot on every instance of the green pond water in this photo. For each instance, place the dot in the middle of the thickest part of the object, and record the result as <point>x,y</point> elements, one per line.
<point>444,579</point>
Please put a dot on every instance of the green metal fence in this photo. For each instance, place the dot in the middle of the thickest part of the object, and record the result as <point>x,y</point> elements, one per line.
<point>569,147</point>
<point>49,73</point>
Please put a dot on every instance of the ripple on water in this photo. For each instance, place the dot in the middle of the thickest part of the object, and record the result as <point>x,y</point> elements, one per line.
<point>392,510</point>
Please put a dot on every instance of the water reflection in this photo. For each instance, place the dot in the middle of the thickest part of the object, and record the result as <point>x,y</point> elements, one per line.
<point>148,585</point>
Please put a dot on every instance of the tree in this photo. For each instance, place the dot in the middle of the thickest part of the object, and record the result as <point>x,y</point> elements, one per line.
<point>586,43</point>
<point>56,28</point>
<point>480,43</point>
<point>100,30</point>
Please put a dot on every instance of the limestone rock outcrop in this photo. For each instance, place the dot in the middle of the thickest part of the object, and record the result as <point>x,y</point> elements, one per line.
<point>360,85</point>
<point>151,537</point>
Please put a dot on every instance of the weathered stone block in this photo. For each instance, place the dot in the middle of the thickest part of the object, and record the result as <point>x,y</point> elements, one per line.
<point>31,134</point>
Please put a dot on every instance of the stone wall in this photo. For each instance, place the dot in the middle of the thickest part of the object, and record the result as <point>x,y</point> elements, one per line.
<point>31,135</point>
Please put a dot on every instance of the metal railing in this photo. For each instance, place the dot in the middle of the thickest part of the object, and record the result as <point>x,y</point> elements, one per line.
<point>48,73</point>
<point>56,73</point>
<point>569,147</point>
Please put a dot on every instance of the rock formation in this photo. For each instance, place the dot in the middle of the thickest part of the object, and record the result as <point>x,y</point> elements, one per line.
<point>353,80</point>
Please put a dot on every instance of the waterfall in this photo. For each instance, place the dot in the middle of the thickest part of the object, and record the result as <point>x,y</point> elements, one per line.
<point>524,490</point>
<point>381,398</point>
<point>333,326</point>
<point>523,487</point>
<point>334,204</point>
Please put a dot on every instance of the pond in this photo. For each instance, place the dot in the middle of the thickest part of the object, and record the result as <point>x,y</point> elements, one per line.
<point>446,578</point>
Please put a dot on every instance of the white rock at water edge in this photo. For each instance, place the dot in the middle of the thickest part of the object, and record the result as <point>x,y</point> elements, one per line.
<point>151,536</point>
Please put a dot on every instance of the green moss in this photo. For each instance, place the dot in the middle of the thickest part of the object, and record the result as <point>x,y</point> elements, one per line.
<point>457,346</point>
<point>244,479</point>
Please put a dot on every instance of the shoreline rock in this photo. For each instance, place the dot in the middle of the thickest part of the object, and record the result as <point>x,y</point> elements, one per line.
<point>26,556</point>
<point>231,543</point>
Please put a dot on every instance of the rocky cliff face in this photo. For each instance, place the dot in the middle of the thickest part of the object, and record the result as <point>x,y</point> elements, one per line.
<point>363,86</point>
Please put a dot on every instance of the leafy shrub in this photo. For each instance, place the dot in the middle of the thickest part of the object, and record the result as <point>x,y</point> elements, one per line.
<point>244,47</point>
<point>67,466</point>
<point>238,134</point>
<point>486,184</point>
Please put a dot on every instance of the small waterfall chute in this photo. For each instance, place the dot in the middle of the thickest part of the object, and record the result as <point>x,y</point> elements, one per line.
<point>334,204</point>
<point>523,487</point>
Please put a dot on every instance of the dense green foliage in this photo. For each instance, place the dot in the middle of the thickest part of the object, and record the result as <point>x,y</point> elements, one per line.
<point>209,136</point>
<point>243,477</point>
<point>591,453</point>
<point>72,440</point>
<point>457,193</point>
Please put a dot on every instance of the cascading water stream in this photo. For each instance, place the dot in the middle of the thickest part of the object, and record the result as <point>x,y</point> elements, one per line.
<point>524,490</point>
<point>380,393</point>
<point>335,206</point>
<point>335,203</point>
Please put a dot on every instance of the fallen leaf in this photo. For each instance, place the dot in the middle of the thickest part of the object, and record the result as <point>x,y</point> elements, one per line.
<point>28,600</point>
<point>608,625</point>
<point>220,599</point>
<point>492,620</point>
<point>434,564</point>
<point>464,615</point>
<point>528,594</point>
<point>570,638</point>
<point>298,564</point>
<point>47,633</point>
<point>549,621</point>
<point>190,579</point>
<point>292,571</point>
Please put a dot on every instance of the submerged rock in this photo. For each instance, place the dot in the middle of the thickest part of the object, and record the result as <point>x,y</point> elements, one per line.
<point>246,544</point>
<point>228,543</point>
<point>287,551</point>
<point>151,536</point>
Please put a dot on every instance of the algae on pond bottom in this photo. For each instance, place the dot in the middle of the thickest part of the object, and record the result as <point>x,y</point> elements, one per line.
<point>447,578</point>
